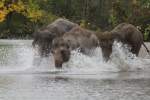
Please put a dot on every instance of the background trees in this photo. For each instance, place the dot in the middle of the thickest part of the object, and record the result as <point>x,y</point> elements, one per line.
<point>19,18</point>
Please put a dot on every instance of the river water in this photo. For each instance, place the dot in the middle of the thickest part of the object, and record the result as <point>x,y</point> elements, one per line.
<point>23,76</point>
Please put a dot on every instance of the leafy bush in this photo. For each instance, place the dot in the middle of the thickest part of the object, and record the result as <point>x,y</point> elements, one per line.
<point>147,33</point>
<point>19,18</point>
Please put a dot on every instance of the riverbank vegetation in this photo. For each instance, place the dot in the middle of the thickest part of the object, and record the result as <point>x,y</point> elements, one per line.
<point>20,18</point>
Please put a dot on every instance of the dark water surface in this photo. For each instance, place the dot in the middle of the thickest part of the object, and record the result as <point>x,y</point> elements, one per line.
<point>19,82</point>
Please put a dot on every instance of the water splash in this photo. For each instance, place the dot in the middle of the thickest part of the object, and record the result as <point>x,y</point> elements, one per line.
<point>121,60</point>
<point>80,63</point>
<point>20,56</point>
<point>124,60</point>
<point>15,56</point>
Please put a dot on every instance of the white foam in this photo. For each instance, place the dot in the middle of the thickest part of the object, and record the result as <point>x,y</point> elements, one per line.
<point>121,60</point>
<point>124,60</point>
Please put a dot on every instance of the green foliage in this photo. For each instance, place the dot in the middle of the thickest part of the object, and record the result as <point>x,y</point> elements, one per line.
<point>21,17</point>
<point>145,3</point>
<point>85,24</point>
<point>112,20</point>
<point>118,13</point>
<point>147,33</point>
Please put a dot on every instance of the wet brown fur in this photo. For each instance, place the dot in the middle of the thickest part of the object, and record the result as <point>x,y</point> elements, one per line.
<point>44,36</point>
<point>125,33</point>
<point>78,37</point>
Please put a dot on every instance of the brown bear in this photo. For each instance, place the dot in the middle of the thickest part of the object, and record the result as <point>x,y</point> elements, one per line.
<point>78,37</point>
<point>44,36</point>
<point>125,33</point>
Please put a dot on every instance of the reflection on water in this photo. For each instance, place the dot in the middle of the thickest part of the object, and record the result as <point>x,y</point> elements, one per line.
<point>23,76</point>
<point>46,87</point>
